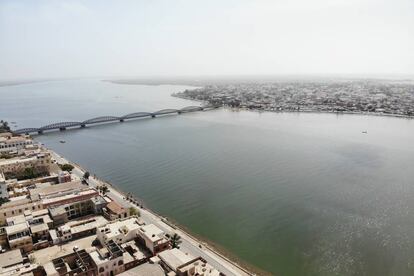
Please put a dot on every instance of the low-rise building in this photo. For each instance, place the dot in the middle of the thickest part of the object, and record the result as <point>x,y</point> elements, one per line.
<point>120,231</point>
<point>61,214</point>
<point>19,237</point>
<point>40,161</point>
<point>13,263</point>
<point>38,224</point>
<point>153,238</point>
<point>14,144</point>
<point>140,254</point>
<point>109,260</point>
<point>146,269</point>
<point>78,263</point>
<point>114,210</point>
<point>80,228</point>
<point>197,266</point>
<point>17,206</point>
<point>174,258</point>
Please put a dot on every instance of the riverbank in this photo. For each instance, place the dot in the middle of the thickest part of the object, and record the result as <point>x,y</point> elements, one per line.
<point>304,111</point>
<point>195,244</point>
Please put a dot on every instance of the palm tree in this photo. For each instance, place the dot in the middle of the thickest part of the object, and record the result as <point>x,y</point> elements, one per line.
<point>175,241</point>
<point>104,190</point>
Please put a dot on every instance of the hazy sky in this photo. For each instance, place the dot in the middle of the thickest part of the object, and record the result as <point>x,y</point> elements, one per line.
<point>41,39</point>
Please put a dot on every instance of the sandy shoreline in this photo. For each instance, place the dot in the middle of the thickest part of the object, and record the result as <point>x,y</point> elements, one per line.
<point>400,116</point>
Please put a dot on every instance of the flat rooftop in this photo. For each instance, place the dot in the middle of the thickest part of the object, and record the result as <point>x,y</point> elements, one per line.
<point>39,227</point>
<point>10,230</point>
<point>151,232</point>
<point>146,269</point>
<point>10,258</point>
<point>16,220</point>
<point>45,255</point>
<point>199,267</point>
<point>174,258</point>
<point>54,189</point>
<point>86,224</point>
<point>115,208</point>
<point>48,201</point>
<point>120,227</point>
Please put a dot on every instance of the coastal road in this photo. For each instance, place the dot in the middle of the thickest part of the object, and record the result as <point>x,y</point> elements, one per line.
<point>189,244</point>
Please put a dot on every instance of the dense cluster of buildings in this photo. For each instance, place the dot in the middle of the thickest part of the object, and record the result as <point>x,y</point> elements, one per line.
<point>55,224</point>
<point>359,96</point>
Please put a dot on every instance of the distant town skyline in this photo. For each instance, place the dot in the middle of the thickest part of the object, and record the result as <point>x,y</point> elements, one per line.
<point>64,39</point>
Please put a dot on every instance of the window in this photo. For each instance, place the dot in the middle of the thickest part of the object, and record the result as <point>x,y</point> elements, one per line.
<point>120,262</point>
<point>101,269</point>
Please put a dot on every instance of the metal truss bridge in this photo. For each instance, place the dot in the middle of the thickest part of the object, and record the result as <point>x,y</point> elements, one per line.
<point>109,119</point>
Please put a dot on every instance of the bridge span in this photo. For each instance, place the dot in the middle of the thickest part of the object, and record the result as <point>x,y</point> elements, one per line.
<point>110,119</point>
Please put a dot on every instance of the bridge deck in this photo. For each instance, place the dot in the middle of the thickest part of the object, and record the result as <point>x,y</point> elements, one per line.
<point>109,119</point>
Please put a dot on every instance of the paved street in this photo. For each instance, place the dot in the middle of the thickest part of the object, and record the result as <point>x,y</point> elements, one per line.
<point>189,244</point>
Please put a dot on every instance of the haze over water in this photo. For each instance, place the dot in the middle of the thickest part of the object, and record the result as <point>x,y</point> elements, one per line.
<point>291,193</point>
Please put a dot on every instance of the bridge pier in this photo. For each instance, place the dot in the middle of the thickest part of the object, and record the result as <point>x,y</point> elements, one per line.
<point>83,125</point>
<point>121,120</point>
<point>179,112</point>
<point>62,128</point>
<point>153,116</point>
<point>40,131</point>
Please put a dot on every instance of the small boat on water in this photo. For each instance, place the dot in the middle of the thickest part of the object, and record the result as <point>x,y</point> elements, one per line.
<point>365,132</point>
<point>62,141</point>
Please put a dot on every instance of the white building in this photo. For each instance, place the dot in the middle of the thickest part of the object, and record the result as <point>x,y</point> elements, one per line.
<point>174,258</point>
<point>154,238</point>
<point>120,231</point>
<point>109,260</point>
<point>15,144</point>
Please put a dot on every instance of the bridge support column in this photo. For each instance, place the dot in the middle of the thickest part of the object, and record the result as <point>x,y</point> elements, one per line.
<point>179,112</point>
<point>121,120</point>
<point>153,116</point>
<point>83,125</point>
<point>40,132</point>
<point>62,128</point>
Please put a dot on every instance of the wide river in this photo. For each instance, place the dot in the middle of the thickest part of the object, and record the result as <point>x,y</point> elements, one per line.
<point>293,194</point>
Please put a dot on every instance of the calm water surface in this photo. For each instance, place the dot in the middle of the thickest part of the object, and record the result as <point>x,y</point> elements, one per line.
<point>294,194</point>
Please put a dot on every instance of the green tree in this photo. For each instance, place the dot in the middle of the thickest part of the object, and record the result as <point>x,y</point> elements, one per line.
<point>104,189</point>
<point>29,173</point>
<point>175,241</point>
<point>86,175</point>
<point>134,212</point>
<point>4,126</point>
<point>66,167</point>
<point>3,200</point>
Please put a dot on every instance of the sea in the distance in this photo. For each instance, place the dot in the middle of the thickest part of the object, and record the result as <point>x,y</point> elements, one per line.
<point>291,193</point>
